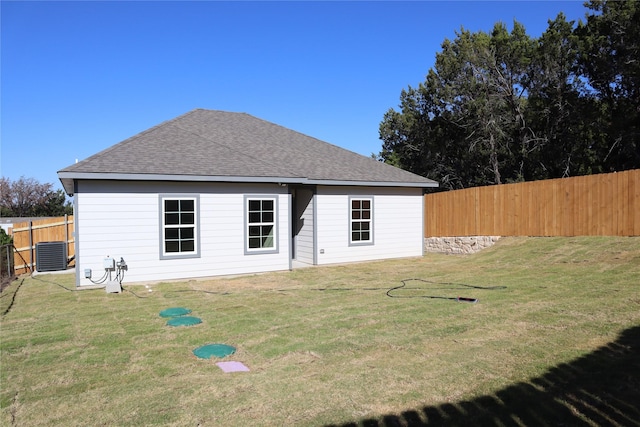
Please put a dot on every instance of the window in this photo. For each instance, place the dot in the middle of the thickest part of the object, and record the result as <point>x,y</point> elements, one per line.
<point>261,230</point>
<point>361,225</point>
<point>179,222</point>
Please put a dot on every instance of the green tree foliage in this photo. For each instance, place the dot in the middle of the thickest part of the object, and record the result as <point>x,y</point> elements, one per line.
<point>610,62</point>
<point>503,107</point>
<point>5,239</point>
<point>27,197</point>
<point>556,110</point>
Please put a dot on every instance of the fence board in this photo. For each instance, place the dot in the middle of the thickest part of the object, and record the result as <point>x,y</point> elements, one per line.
<point>27,234</point>
<point>604,205</point>
<point>634,209</point>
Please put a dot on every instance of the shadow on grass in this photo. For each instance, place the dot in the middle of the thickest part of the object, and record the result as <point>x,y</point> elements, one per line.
<point>601,388</point>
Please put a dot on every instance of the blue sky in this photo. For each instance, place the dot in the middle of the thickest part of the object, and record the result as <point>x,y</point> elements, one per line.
<point>80,76</point>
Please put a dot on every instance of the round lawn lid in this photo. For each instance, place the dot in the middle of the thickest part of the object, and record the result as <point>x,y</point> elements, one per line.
<point>174,312</point>
<point>214,350</point>
<point>184,321</point>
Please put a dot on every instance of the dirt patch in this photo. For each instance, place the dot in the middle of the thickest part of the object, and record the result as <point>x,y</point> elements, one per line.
<point>5,281</point>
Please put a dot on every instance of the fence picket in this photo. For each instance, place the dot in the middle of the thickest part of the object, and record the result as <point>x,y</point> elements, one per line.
<point>604,205</point>
<point>26,235</point>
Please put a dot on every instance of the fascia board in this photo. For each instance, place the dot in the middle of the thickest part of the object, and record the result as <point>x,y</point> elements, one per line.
<point>68,177</point>
<point>157,177</point>
<point>432,184</point>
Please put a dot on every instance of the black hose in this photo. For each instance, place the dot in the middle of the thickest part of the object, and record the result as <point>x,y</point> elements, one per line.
<point>389,291</point>
<point>13,298</point>
<point>447,286</point>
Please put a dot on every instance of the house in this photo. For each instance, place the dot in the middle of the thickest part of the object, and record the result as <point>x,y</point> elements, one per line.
<point>218,193</point>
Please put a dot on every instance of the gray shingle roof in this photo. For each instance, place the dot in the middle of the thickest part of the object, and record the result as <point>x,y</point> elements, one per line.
<point>208,145</point>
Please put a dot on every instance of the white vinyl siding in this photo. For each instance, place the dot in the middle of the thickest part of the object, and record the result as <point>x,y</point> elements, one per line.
<point>397,216</point>
<point>304,225</point>
<point>122,219</point>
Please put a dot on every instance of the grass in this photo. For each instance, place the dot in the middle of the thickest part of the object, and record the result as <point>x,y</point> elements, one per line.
<point>327,346</point>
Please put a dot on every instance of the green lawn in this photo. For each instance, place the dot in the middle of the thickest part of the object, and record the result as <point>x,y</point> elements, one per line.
<point>556,341</point>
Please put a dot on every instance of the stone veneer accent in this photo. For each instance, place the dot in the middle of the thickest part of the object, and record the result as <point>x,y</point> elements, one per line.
<point>458,245</point>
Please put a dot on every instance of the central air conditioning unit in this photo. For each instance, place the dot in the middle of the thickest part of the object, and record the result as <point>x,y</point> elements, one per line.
<point>51,256</point>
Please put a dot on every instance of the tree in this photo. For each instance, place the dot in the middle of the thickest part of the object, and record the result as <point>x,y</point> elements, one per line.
<point>28,197</point>
<point>610,62</point>
<point>561,117</point>
<point>502,107</point>
<point>468,115</point>
<point>487,81</point>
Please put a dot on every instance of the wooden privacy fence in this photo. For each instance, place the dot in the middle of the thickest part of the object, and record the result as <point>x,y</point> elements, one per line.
<point>594,205</point>
<point>27,234</point>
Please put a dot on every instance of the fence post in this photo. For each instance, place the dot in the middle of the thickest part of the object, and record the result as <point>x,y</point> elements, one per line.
<point>7,248</point>
<point>31,246</point>
<point>66,234</point>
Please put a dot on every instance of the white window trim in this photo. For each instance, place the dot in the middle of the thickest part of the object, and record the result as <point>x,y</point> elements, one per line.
<point>196,232</point>
<point>370,220</point>
<point>275,248</point>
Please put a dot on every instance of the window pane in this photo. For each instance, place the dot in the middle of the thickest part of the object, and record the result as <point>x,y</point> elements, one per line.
<point>267,242</point>
<point>254,242</point>
<point>267,230</point>
<point>254,231</point>
<point>267,217</point>
<point>170,205</point>
<point>355,226</point>
<point>355,236</point>
<point>366,214</point>
<point>171,246</point>
<point>267,205</point>
<point>366,204</point>
<point>170,233</point>
<point>187,218</point>
<point>355,215</point>
<point>364,226</point>
<point>365,235</point>
<point>254,205</point>
<point>171,218</point>
<point>355,204</point>
<point>187,233</point>
<point>187,205</point>
<point>187,246</point>
<point>254,217</point>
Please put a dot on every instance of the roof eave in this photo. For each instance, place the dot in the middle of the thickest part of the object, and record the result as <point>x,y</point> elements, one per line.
<point>408,184</point>
<point>68,179</point>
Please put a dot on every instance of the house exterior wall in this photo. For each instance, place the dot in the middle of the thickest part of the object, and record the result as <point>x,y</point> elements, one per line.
<point>397,224</point>
<point>305,225</point>
<point>123,219</point>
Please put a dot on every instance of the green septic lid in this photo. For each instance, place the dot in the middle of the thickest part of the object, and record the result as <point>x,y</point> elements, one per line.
<point>174,312</point>
<point>214,350</point>
<point>183,321</point>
